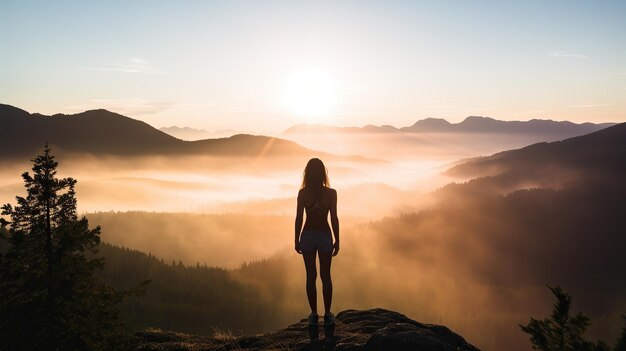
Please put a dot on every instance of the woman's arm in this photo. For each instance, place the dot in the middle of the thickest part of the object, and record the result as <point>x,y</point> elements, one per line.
<point>334,221</point>
<point>298,226</point>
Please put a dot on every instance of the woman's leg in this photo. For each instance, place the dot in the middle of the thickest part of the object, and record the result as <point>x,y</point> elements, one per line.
<point>311,276</point>
<point>327,283</point>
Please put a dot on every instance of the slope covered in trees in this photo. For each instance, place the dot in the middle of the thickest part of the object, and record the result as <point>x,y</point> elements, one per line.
<point>193,299</point>
<point>602,152</point>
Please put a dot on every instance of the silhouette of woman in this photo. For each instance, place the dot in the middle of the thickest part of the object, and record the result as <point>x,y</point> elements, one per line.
<point>318,199</point>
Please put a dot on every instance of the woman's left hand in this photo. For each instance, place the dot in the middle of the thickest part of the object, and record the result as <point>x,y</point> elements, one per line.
<point>335,248</point>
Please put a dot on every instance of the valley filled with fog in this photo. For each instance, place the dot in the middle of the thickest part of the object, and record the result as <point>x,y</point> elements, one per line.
<point>429,226</point>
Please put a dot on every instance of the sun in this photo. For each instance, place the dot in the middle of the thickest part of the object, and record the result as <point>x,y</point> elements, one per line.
<point>310,93</point>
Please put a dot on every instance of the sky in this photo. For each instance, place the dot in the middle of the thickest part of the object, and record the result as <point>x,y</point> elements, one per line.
<point>262,66</point>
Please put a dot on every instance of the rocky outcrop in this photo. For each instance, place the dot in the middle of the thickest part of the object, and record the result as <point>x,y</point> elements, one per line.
<point>375,329</point>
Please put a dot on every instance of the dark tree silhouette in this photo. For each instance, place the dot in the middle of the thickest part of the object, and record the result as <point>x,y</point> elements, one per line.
<point>49,297</point>
<point>620,345</point>
<point>4,234</point>
<point>562,331</point>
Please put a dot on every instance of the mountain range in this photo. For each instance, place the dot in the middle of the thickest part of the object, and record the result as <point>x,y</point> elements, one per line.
<point>102,132</point>
<point>186,133</point>
<point>472,124</point>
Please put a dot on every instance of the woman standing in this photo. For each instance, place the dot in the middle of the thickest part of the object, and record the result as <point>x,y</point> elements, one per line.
<point>318,199</point>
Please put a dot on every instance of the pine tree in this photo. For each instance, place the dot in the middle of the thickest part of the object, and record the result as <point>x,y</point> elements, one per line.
<point>620,345</point>
<point>49,297</point>
<point>4,234</point>
<point>562,331</point>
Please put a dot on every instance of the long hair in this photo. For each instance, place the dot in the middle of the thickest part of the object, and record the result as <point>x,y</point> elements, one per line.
<point>315,175</point>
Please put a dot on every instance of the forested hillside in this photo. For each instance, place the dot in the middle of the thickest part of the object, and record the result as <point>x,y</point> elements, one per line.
<point>196,299</point>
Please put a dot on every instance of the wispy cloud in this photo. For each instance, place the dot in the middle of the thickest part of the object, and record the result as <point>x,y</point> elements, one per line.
<point>566,54</point>
<point>589,105</point>
<point>131,65</point>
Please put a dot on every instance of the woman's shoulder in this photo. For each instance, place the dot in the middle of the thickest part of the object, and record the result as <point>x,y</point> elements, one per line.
<point>328,190</point>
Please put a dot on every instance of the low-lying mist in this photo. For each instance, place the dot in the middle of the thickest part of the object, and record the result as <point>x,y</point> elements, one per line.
<point>381,174</point>
<point>266,185</point>
<point>476,259</point>
<point>413,146</point>
<point>479,264</point>
<point>474,256</point>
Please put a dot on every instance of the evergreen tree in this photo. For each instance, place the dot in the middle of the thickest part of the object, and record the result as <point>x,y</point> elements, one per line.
<point>620,345</point>
<point>4,234</point>
<point>562,331</point>
<point>49,297</point>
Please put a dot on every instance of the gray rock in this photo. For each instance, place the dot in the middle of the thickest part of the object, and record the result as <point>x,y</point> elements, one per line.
<point>355,330</point>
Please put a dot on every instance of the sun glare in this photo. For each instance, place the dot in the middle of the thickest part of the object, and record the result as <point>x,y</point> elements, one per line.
<point>310,93</point>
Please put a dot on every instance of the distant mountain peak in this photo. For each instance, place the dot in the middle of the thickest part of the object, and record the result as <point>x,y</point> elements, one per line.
<point>193,134</point>
<point>429,124</point>
<point>483,121</point>
<point>431,119</point>
<point>177,128</point>
<point>99,110</point>
<point>479,118</point>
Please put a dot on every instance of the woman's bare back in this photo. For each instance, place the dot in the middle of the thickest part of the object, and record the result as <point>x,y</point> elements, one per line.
<point>317,203</point>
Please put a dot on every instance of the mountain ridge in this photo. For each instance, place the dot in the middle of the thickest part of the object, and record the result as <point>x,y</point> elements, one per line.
<point>103,132</point>
<point>471,124</point>
<point>192,134</point>
<point>604,149</point>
